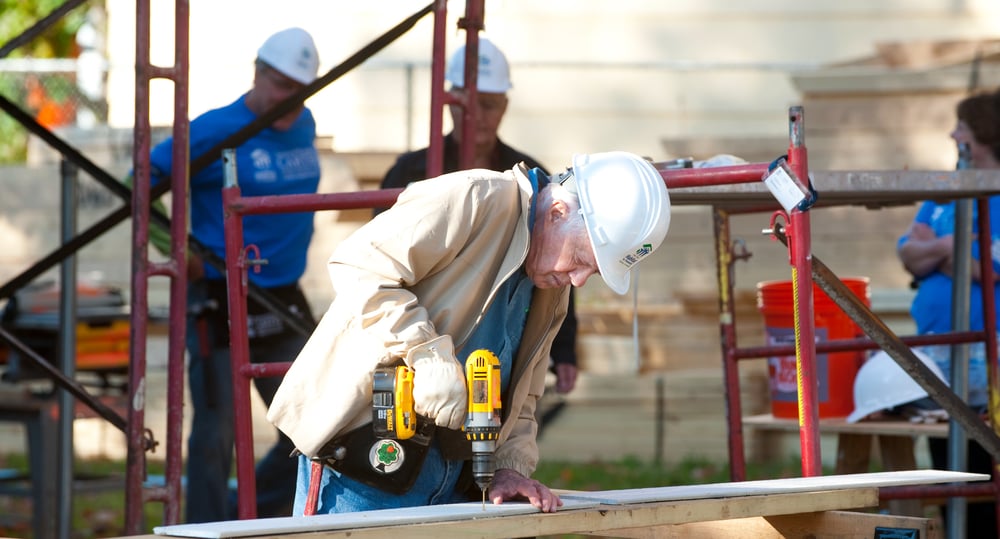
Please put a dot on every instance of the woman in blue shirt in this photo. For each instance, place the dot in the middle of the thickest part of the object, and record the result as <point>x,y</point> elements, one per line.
<point>926,252</point>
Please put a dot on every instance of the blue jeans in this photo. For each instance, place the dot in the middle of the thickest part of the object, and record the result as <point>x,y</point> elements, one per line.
<point>435,485</point>
<point>211,442</point>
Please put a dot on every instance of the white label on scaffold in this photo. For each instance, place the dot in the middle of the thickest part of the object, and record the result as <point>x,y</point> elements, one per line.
<point>784,188</point>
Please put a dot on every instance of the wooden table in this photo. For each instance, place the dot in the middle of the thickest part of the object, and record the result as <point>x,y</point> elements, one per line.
<point>794,507</point>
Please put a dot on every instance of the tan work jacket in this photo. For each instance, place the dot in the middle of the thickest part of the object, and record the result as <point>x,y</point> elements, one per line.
<point>413,280</point>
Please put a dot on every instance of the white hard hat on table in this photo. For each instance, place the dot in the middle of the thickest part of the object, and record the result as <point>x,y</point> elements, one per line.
<point>626,210</point>
<point>291,52</point>
<point>882,384</point>
<point>494,71</point>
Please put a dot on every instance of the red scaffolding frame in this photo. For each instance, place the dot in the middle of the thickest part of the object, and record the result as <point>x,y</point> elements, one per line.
<point>804,267</point>
<point>139,439</point>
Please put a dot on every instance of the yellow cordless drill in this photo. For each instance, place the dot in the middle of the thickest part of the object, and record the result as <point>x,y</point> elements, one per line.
<point>482,426</point>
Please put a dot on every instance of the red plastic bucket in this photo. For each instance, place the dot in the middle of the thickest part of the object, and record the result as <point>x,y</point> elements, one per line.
<point>835,371</point>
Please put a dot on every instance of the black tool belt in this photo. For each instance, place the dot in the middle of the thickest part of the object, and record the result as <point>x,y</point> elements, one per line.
<point>384,463</point>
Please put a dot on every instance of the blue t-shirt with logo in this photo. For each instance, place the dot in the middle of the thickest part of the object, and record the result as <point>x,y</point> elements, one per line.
<point>272,162</point>
<point>931,308</point>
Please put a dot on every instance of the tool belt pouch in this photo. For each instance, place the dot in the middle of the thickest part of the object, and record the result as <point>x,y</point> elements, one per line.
<point>383,463</point>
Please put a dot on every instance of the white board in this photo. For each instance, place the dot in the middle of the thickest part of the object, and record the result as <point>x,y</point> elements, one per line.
<point>364,519</point>
<point>773,486</point>
<point>571,500</point>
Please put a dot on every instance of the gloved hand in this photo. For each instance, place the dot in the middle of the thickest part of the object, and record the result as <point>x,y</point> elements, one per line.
<point>439,390</point>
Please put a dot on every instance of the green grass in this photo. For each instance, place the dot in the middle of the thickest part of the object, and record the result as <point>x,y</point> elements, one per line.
<point>635,473</point>
<point>102,514</point>
<point>96,514</point>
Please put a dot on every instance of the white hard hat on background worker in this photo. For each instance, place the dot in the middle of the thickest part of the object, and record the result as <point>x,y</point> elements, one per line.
<point>494,71</point>
<point>293,53</point>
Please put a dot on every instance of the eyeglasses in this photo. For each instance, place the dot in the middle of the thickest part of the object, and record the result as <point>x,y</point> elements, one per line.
<point>278,80</point>
<point>488,102</point>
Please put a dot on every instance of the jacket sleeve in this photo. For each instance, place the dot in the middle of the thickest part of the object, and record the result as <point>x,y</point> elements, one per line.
<point>376,316</point>
<point>519,450</point>
<point>374,270</point>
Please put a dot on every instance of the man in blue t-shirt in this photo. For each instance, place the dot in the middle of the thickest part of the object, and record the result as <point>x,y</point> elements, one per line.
<point>279,160</point>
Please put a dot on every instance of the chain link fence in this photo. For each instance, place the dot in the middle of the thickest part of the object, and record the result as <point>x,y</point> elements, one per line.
<point>53,92</point>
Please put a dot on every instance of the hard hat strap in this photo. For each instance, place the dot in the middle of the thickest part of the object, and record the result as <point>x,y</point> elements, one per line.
<point>568,181</point>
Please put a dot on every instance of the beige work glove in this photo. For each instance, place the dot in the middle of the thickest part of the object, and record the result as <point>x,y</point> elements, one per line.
<point>439,390</point>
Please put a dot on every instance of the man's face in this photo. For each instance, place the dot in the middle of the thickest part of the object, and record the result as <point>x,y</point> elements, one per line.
<point>491,110</point>
<point>559,255</point>
<point>272,87</point>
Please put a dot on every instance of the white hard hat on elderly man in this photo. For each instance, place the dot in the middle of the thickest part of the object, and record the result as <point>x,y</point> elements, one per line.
<point>292,53</point>
<point>625,208</point>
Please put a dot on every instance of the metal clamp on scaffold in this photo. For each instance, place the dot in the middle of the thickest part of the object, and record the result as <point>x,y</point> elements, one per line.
<point>786,187</point>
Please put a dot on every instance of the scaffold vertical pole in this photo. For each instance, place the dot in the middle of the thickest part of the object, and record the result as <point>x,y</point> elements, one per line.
<point>800,253</point>
<point>239,344</point>
<point>138,438</point>
<point>727,336</point>
<point>435,148</point>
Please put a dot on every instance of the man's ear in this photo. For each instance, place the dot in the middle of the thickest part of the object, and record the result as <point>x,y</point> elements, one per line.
<point>558,210</point>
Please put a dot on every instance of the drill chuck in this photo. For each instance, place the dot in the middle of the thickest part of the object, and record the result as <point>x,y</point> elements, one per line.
<point>483,464</point>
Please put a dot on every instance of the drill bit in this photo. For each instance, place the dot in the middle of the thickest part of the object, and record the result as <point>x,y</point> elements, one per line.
<point>484,499</point>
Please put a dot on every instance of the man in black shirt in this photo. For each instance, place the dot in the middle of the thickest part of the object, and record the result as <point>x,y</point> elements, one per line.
<point>493,82</point>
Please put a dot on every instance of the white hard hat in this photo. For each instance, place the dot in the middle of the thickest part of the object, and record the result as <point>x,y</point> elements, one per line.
<point>293,53</point>
<point>626,209</point>
<point>881,384</point>
<point>720,160</point>
<point>494,71</point>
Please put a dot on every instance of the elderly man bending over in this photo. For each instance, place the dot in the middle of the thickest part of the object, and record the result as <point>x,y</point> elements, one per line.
<point>470,260</point>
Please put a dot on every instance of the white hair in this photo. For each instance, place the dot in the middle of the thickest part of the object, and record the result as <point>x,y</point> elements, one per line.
<point>557,192</point>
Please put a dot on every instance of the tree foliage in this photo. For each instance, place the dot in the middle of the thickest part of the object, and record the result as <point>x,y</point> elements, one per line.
<point>57,41</point>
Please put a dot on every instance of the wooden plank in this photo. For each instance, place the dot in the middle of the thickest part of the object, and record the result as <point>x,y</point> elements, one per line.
<point>591,512</point>
<point>826,524</point>
<point>659,516</point>
<point>346,521</point>
<point>843,524</point>
<point>888,427</point>
<point>776,486</point>
<point>587,521</point>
